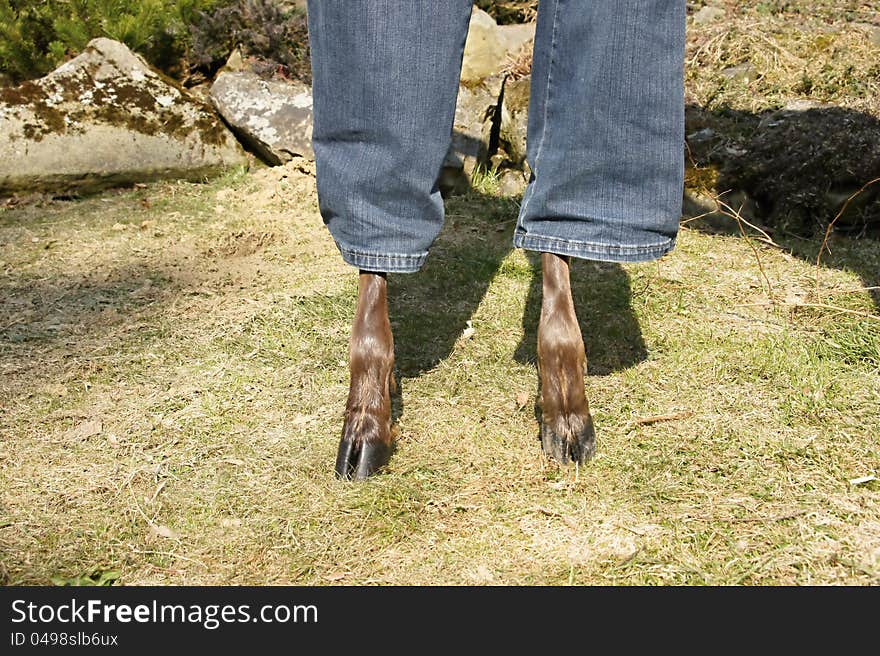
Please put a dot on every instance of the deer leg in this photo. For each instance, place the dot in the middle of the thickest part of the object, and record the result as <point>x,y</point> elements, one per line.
<point>566,426</point>
<point>366,432</point>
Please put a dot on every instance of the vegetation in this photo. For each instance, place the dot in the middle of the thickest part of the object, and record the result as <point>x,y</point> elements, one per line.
<point>277,38</point>
<point>174,371</point>
<point>178,36</point>
<point>510,11</point>
<point>784,104</point>
<point>37,35</point>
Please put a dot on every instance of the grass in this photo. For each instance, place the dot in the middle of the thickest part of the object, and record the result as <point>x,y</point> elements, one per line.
<point>174,372</point>
<point>173,375</point>
<point>817,50</point>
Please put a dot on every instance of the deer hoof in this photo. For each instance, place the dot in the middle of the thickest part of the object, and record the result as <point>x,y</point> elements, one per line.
<point>358,460</point>
<point>571,438</point>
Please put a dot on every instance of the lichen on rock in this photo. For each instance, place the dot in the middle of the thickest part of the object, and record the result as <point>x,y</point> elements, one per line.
<point>105,117</point>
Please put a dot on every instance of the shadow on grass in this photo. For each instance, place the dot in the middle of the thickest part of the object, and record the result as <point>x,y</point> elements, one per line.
<point>431,309</point>
<point>603,299</point>
<point>793,171</point>
<point>37,311</point>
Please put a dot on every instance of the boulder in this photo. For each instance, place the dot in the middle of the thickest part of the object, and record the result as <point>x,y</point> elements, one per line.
<point>485,50</point>
<point>105,118</point>
<point>516,35</point>
<point>515,119</point>
<point>471,132</point>
<point>272,117</point>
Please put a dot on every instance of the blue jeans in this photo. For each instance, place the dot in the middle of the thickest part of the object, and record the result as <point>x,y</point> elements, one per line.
<point>605,139</point>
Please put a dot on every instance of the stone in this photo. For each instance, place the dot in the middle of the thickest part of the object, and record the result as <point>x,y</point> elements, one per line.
<point>471,132</point>
<point>272,117</point>
<point>103,119</point>
<point>709,14</point>
<point>745,73</point>
<point>701,136</point>
<point>235,62</point>
<point>515,119</point>
<point>485,50</point>
<point>512,182</point>
<point>516,35</point>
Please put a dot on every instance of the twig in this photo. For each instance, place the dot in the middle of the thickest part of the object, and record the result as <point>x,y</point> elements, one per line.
<point>171,554</point>
<point>831,227</point>
<point>739,222</point>
<point>736,215</point>
<point>821,306</point>
<point>736,520</point>
<point>656,419</point>
<point>698,217</point>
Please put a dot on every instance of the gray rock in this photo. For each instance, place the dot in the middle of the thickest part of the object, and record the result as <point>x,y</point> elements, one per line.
<point>709,14</point>
<point>701,136</point>
<point>740,73</point>
<point>274,118</point>
<point>512,182</point>
<point>106,119</point>
<point>471,132</point>
<point>516,35</point>
<point>485,49</point>
<point>515,119</point>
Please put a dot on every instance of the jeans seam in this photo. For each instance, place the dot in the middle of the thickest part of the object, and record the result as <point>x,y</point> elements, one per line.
<point>547,89</point>
<point>582,249</point>
<point>597,244</point>
<point>392,262</point>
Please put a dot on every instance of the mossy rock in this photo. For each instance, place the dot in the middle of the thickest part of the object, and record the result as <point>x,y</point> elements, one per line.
<point>105,118</point>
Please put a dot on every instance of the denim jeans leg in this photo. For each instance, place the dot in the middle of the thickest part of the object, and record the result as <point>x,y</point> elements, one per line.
<point>385,82</point>
<point>605,136</point>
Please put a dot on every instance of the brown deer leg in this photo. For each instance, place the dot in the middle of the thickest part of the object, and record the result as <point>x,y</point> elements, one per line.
<point>566,426</point>
<point>366,432</point>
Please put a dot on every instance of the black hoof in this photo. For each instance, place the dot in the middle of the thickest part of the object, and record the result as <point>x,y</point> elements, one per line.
<point>569,439</point>
<point>357,461</point>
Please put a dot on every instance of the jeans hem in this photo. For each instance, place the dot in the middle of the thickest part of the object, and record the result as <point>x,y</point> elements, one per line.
<point>382,262</point>
<point>594,251</point>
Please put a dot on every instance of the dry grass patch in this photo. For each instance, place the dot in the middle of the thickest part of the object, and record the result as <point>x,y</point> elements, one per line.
<point>183,430</point>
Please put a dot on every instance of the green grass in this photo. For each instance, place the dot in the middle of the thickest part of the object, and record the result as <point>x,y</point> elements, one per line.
<point>220,386</point>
